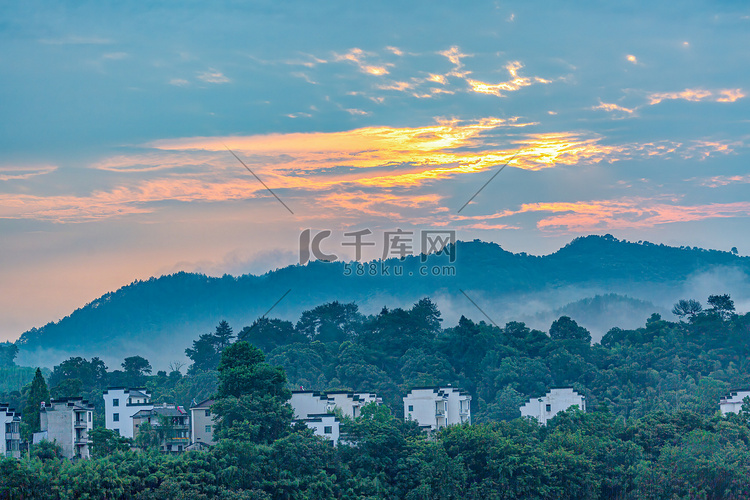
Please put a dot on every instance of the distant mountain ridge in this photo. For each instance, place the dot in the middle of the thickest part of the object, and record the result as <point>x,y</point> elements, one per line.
<point>158,318</point>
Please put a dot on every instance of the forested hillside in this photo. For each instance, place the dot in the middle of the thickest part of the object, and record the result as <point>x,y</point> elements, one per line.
<point>160,316</point>
<point>652,428</point>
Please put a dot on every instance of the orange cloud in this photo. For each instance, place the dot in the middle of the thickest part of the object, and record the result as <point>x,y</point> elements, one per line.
<point>357,56</point>
<point>634,213</point>
<point>23,173</point>
<point>516,82</point>
<point>695,95</point>
<point>613,107</point>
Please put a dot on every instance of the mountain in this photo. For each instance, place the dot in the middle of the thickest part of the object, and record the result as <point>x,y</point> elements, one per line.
<point>160,317</point>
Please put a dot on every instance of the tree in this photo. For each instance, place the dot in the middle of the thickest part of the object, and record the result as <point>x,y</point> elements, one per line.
<point>136,368</point>
<point>106,441</point>
<point>723,305</point>
<point>68,388</point>
<point>206,351</point>
<point>8,352</point>
<point>688,307</point>
<point>92,374</point>
<point>251,403</point>
<point>37,394</point>
<point>566,328</point>
<point>223,336</point>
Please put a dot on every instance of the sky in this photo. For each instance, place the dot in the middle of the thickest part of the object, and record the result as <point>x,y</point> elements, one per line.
<point>119,121</point>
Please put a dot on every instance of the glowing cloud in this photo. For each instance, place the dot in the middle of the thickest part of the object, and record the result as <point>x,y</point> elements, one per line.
<point>695,95</point>
<point>516,82</point>
<point>23,173</point>
<point>613,107</point>
<point>357,56</point>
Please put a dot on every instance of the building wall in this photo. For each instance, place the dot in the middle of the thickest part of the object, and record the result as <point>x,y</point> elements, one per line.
<point>556,400</point>
<point>350,404</point>
<point>437,407</point>
<point>199,421</point>
<point>125,410</point>
<point>10,433</point>
<point>319,423</point>
<point>309,403</point>
<point>733,403</point>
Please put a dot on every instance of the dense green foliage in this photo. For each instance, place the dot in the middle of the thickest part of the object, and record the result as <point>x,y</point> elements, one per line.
<point>652,429</point>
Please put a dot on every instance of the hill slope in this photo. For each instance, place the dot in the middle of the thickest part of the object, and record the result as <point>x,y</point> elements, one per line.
<point>160,317</point>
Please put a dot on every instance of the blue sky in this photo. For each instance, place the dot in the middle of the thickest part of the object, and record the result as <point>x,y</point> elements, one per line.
<point>630,119</point>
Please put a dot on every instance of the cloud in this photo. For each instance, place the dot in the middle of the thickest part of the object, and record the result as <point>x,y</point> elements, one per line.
<point>515,83</point>
<point>213,76</point>
<point>627,213</point>
<point>358,56</point>
<point>23,173</point>
<point>610,107</point>
<point>724,180</point>
<point>695,95</point>
<point>179,82</point>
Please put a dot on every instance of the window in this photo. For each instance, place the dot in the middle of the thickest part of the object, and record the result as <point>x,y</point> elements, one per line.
<point>208,429</point>
<point>117,431</point>
<point>115,417</point>
<point>549,407</point>
<point>115,402</point>
<point>208,413</point>
<point>90,413</point>
<point>327,429</point>
<point>411,407</point>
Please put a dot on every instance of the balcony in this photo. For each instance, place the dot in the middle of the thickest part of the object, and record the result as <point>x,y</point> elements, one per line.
<point>80,424</point>
<point>463,411</point>
<point>439,412</point>
<point>80,440</point>
<point>177,440</point>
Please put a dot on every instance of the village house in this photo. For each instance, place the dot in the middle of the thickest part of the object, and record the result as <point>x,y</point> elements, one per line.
<point>67,423</point>
<point>120,404</point>
<point>10,425</point>
<point>733,403</point>
<point>436,407</point>
<point>555,401</point>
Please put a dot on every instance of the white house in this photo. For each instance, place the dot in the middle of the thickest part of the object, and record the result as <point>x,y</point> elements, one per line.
<point>436,407</point>
<point>10,430</point>
<point>555,401</point>
<point>120,404</point>
<point>202,423</point>
<point>316,409</point>
<point>67,423</point>
<point>733,402</point>
<point>326,425</point>
<point>350,403</point>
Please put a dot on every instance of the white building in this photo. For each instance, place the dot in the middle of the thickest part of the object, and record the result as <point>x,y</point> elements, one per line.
<point>326,425</point>
<point>67,423</point>
<point>315,403</point>
<point>120,404</point>
<point>202,423</point>
<point>555,401</point>
<point>436,407</point>
<point>10,431</point>
<point>317,409</point>
<point>733,403</point>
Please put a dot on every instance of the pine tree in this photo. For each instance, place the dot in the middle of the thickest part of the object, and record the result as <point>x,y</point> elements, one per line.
<point>37,394</point>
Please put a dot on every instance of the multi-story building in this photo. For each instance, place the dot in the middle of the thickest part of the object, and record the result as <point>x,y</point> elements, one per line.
<point>170,423</point>
<point>120,404</point>
<point>555,401</point>
<point>326,425</point>
<point>202,423</point>
<point>316,409</point>
<point>436,407</point>
<point>733,403</point>
<point>67,423</point>
<point>10,430</point>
